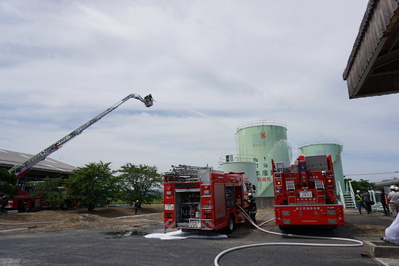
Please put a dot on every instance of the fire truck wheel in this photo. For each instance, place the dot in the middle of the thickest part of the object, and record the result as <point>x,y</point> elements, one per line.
<point>66,204</point>
<point>331,227</point>
<point>230,227</point>
<point>30,206</point>
<point>21,206</point>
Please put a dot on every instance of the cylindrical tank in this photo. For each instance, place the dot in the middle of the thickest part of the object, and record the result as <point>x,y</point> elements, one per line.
<point>327,147</point>
<point>267,141</point>
<point>239,164</point>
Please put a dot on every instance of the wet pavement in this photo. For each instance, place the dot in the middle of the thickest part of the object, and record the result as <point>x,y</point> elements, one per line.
<point>105,246</point>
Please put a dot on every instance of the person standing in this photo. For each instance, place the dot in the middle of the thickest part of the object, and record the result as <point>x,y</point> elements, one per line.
<point>360,202</point>
<point>393,197</point>
<point>383,200</point>
<point>395,200</point>
<point>367,201</point>
<point>392,232</point>
<point>3,203</point>
<point>252,207</point>
<point>136,206</point>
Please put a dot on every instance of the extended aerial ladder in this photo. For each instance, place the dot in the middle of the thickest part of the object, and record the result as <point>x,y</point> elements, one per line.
<point>22,168</point>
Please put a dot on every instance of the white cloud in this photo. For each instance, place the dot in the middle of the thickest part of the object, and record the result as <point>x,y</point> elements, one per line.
<point>210,65</point>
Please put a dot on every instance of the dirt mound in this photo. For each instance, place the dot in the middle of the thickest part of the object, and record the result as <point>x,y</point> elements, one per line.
<point>113,212</point>
<point>82,220</point>
<point>367,229</point>
<point>114,217</point>
<point>85,218</point>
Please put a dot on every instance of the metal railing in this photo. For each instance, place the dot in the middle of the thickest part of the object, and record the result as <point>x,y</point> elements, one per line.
<point>349,189</point>
<point>262,123</point>
<point>324,141</point>
<point>341,195</point>
<point>237,158</point>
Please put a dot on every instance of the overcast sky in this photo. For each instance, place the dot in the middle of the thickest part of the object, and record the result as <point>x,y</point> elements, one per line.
<point>210,65</point>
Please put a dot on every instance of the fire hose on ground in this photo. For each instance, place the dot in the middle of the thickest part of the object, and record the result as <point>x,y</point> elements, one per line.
<point>355,243</point>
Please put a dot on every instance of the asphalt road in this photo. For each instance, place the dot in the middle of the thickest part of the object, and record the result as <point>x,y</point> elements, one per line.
<point>98,247</point>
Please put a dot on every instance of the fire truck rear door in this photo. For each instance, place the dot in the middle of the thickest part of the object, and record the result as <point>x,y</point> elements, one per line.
<point>220,200</point>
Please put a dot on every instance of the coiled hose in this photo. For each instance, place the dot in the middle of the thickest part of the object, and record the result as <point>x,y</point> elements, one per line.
<point>355,243</point>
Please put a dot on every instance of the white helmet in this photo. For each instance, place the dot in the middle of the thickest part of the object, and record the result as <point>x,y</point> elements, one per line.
<point>357,191</point>
<point>392,187</point>
<point>396,188</point>
<point>249,194</point>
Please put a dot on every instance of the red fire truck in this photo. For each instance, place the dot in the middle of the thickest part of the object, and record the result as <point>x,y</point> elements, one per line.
<point>200,198</point>
<point>305,193</point>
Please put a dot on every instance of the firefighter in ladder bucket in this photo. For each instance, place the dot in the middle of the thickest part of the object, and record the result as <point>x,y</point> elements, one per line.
<point>252,207</point>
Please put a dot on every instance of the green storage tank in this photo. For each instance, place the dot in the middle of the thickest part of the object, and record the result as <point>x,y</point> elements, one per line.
<point>331,147</point>
<point>265,140</point>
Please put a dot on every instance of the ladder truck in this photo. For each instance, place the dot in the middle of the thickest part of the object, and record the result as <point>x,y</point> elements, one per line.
<point>305,193</point>
<point>200,198</point>
<point>22,200</point>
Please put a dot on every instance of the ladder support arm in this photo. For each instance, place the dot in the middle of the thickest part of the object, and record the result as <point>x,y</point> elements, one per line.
<point>20,169</point>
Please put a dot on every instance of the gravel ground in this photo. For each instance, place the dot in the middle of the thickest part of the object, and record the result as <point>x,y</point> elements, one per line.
<point>110,217</point>
<point>151,217</point>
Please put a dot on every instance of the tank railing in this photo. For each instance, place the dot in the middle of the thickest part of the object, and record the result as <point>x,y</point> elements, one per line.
<point>320,141</point>
<point>262,123</point>
<point>341,194</point>
<point>324,141</point>
<point>372,195</point>
<point>237,158</point>
<point>377,205</point>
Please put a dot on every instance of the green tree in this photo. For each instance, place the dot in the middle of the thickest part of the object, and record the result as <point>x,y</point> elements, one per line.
<point>8,184</point>
<point>52,192</point>
<point>140,182</point>
<point>361,185</point>
<point>93,185</point>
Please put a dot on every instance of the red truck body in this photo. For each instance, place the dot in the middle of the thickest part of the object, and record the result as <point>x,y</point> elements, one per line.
<point>24,200</point>
<point>200,198</point>
<point>305,193</point>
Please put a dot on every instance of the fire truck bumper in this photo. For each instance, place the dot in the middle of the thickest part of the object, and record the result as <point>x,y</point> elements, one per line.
<point>310,215</point>
<point>197,224</point>
<point>169,224</point>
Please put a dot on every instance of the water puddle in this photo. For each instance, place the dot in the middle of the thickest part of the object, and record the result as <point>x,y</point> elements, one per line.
<point>125,233</point>
<point>175,235</point>
<point>160,234</point>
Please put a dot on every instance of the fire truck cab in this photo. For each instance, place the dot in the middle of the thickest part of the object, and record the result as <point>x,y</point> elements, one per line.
<point>305,193</point>
<point>200,198</point>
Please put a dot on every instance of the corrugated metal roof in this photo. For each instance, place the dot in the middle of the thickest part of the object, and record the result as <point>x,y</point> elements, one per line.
<point>393,181</point>
<point>9,159</point>
<point>373,65</point>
